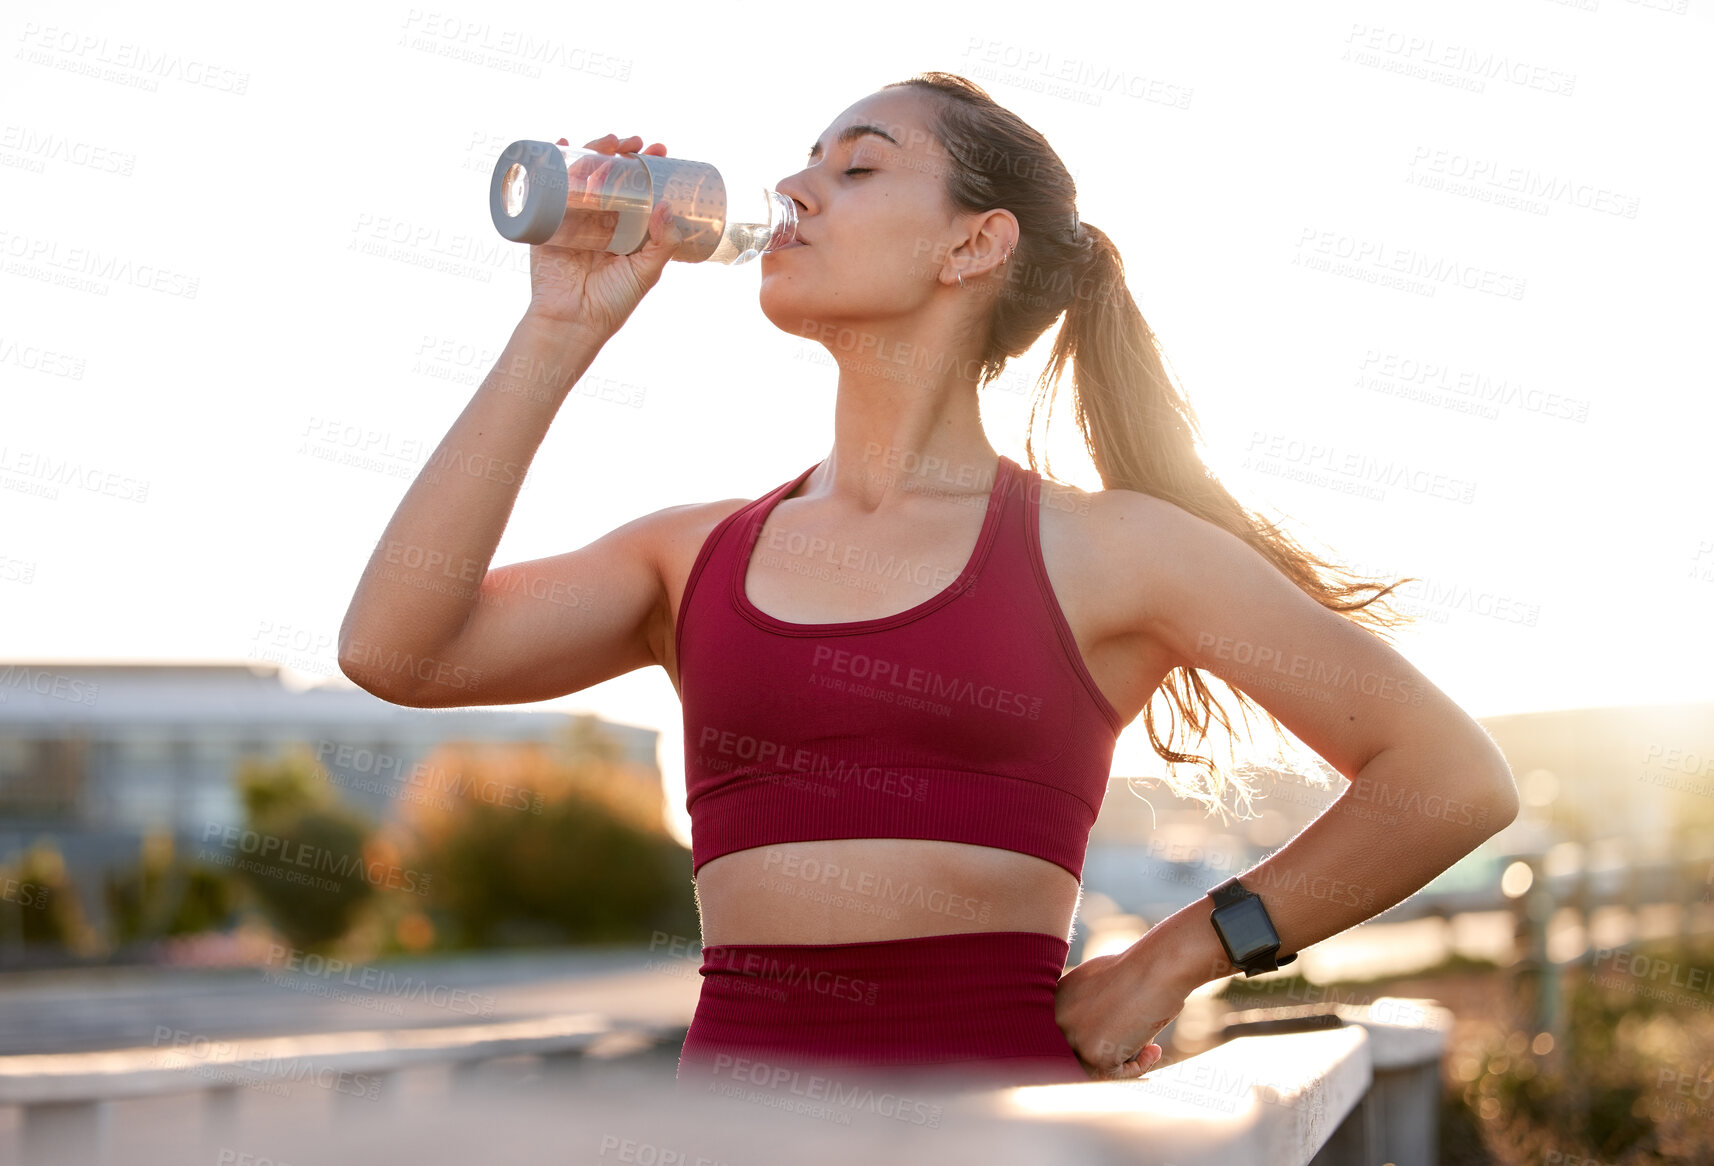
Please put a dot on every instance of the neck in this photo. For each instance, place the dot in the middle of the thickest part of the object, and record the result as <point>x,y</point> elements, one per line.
<point>905,426</point>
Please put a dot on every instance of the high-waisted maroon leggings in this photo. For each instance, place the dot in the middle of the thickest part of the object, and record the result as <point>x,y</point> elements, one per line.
<point>977,1006</point>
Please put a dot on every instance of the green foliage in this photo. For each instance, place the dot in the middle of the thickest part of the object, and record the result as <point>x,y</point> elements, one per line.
<point>510,845</point>
<point>161,896</point>
<point>302,851</point>
<point>270,789</point>
<point>577,872</point>
<point>1630,1084</point>
<point>38,905</point>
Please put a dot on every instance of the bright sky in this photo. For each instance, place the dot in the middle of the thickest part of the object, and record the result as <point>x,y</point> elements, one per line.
<point>191,317</point>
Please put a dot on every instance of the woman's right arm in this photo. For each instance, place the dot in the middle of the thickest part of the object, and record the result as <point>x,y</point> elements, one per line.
<point>430,625</point>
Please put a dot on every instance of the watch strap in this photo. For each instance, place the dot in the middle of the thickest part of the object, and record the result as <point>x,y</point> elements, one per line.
<point>1232,891</point>
<point>1229,892</point>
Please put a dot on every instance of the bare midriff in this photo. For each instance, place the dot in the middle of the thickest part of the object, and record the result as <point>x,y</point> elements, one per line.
<point>852,890</point>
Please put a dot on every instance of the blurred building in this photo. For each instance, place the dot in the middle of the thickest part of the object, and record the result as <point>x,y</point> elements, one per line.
<point>1152,851</point>
<point>94,756</point>
<point>1628,784</point>
<point>1642,772</point>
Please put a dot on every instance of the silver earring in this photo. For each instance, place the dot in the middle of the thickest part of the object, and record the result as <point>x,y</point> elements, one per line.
<point>960,281</point>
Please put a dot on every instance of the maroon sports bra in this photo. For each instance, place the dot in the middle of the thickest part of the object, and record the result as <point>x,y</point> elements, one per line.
<point>968,718</point>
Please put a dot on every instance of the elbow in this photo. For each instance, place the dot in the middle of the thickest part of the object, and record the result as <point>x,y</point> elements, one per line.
<point>1471,785</point>
<point>378,685</point>
<point>409,691</point>
<point>1500,795</point>
<point>377,689</point>
<point>1507,804</point>
<point>1483,777</point>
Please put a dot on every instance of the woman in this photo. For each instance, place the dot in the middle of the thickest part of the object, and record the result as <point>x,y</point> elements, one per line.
<point>903,672</point>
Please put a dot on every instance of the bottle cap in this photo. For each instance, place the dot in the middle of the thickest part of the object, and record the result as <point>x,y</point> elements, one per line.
<point>536,175</point>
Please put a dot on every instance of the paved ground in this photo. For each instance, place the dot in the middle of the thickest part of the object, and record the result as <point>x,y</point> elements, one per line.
<point>81,1010</point>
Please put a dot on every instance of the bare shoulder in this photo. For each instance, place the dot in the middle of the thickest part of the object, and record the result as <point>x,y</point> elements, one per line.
<point>1105,530</point>
<point>1089,540</point>
<point>1124,529</point>
<point>677,533</point>
<point>1111,552</point>
<point>675,536</point>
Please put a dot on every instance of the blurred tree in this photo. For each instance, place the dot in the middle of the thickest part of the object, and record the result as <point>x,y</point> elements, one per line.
<point>303,853</point>
<point>39,906</point>
<point>527,844</point>
<point>161,896</point>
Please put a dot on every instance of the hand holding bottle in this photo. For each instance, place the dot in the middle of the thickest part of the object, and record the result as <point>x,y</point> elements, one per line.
<point>594,290</point>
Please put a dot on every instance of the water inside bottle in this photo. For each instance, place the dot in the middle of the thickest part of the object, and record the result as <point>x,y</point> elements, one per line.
<point>609,197</point>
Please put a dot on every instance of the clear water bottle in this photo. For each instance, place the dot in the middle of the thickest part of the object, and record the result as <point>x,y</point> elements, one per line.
<point>542,192</point>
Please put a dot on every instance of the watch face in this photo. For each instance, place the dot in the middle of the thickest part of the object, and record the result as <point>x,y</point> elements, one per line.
<point>1248,932</point>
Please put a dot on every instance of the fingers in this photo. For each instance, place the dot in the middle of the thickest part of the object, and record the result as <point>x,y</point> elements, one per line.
<point>664,237</point>
<point>594,176</point>
<point>613,144</point>
<point>1137,1067</point>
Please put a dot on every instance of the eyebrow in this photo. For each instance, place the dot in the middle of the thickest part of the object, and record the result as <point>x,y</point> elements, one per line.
<point>851,134</point>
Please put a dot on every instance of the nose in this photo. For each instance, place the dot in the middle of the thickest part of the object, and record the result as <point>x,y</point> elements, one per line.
<point>794,187</point>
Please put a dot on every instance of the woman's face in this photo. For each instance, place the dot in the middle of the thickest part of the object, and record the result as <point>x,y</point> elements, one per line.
<point>875,220</point>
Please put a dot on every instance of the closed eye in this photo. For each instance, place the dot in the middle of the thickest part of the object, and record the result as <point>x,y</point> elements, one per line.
<point>859,170</point>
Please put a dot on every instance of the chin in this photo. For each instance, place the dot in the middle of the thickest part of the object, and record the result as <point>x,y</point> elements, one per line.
<point>786,307</point>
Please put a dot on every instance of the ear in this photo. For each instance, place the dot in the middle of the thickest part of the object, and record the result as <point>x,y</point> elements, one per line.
<point>990,240</point>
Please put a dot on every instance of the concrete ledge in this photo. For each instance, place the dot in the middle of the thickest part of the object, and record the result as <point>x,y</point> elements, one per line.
<point>150,1069</point>
<point>1406,1031</point>
<point>1272,1099</point>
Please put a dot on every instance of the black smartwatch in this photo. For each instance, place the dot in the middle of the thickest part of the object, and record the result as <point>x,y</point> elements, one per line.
<point>1245,930</point>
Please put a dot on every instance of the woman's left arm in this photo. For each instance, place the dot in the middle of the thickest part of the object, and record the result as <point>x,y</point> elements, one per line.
<point>1428,785</point>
